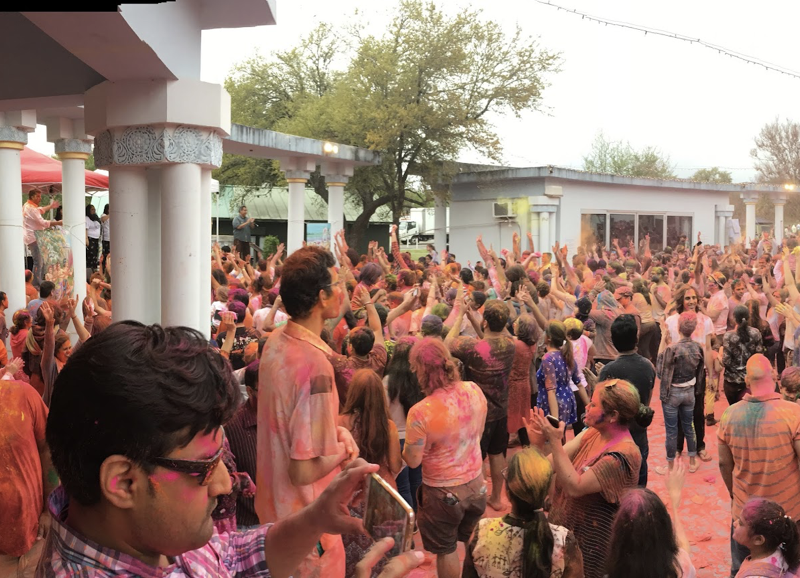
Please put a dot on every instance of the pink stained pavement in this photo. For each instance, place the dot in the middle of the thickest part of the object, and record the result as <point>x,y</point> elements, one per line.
<point>705,507</point>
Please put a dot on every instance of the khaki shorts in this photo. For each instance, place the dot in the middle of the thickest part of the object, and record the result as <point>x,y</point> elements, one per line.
<point>446,516</point>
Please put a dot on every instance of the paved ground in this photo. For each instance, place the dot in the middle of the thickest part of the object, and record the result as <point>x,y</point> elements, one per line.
<point>705,507</point>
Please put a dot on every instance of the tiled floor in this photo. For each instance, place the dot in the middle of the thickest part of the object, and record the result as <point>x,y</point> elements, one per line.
<point>705,508</point>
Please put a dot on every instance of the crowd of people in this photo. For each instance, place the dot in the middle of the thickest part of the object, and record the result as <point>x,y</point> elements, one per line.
<point>150,451</point>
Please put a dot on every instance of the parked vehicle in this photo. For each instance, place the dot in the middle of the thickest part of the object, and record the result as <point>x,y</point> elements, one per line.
<point>418,226</point>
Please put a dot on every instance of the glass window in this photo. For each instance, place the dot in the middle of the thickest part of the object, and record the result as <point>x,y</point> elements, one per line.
<point>652,225</point>
<point>593,229</point>
<point>622,229</point>
<point>677,229</point>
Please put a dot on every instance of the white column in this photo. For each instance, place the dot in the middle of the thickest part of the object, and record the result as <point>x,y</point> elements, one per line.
<point>73,201</point>
<point>553,230</point>
<point>130,268</point>
<point>750,220</point>
<point>336,203</point>
<point>780,201</point>
<point>12,248</point>
<point>544,232</point>
<point>180,244</point>
<point>721,230</point>
<point>535,221</point>
<point>440,222</point>
<point>153,244</point>
<point>296,219</point>
<point>204,281</point>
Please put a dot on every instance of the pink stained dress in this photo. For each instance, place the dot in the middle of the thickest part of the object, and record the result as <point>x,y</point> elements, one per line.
<point>519,385</point>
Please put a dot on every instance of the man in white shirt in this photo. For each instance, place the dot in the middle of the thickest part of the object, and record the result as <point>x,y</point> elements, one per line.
<point>32,221</point>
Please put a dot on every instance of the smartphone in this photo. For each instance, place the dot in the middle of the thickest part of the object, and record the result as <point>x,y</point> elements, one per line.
<point>415,291</point>
<point>388,514</point>
<point>553,420</point>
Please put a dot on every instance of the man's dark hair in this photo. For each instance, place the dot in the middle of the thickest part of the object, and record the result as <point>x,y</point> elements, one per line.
<point>137,391</point>
<point>220,276</point>
<point>46,288</point>
<point>383,313</point>
<point>624,332</point>
<point>242,207</point>
<point>407,277</point>
<point>362,339</point>
<point>479,298</point>
<point>466,276</point>
<point>482,271</point>
<point>251,375</point>
<point>495,313</point>
<point>305,273</point>
<point>226,249</point>
<point>2,296</point>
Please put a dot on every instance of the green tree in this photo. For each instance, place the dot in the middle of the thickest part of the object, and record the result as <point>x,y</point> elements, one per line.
<point>420,94</point>
<point>90,166</point>
<point>620,158</point>
<point>712,175</point>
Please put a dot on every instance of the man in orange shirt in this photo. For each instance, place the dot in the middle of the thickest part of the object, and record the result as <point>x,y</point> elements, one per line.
<point>759,446</point>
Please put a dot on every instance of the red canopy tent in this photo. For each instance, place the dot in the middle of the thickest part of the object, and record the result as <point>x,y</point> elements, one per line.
<point>40,170</point>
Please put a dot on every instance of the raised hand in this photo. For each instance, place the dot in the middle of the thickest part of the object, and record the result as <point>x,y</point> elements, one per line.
<point>229,320</point>
<point>47,313</point>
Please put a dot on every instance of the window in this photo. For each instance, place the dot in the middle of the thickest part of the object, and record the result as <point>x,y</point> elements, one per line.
<point>678,227</point>
<point>593,229</point>
<point>652,225</point>
<point>623,228</point>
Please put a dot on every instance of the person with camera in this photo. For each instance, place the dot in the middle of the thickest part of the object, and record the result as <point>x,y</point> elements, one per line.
<point>594,469</point>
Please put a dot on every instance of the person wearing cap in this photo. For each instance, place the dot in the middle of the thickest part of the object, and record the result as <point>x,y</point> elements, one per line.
<point>624,296</point>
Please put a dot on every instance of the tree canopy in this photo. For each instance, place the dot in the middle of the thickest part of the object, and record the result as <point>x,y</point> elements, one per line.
<point>777,153</point>
<point>620,158</point>
<point>420,93</point>
<point>712,175</point>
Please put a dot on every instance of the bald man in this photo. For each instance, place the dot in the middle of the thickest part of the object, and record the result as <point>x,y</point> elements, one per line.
<point>759,447</point>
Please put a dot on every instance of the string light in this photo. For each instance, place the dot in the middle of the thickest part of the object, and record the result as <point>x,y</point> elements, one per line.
<point>720,49</point>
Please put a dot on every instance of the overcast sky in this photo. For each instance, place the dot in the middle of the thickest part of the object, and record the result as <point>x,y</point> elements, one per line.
<point>701,108</point>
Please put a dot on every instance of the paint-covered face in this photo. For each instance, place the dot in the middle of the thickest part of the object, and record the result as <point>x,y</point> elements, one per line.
<point>594,411</point>
<point>333,302</point>
<point>742,533</point>
<point>739,291</point>
<point>64,351</point>
<point>173,514</point>
<point>690,300</point>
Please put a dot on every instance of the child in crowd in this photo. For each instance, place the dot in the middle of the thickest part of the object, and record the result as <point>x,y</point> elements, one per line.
<point>771,536</point>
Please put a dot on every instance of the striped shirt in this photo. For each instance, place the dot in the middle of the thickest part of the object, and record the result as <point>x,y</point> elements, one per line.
<point>761,432</point>
<point>67,553</point>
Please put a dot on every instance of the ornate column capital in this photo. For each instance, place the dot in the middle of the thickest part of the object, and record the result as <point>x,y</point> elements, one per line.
<point>336,180</point>
<point>749,197</point>
<point>150,145</point>
<point>12,138</point>
<point>73,148</point>
<point>296,176</point>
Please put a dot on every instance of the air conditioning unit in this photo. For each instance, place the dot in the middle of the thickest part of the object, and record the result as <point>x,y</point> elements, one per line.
<point>503,210</point>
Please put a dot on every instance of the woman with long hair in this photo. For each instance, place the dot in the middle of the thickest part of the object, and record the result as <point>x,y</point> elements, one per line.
<point>772,537</point>
<point>402,392</point>
<point>523,372</point>
<point>662,548</point>
<point>366,417</point>
<point>595,469</point>
<point>19,332</point>
<point>93,228</point>
<point>523,544</point>
<point>737,347</point>
<point>757,322</point>
<point>686,299</point>
<point>557,371</point>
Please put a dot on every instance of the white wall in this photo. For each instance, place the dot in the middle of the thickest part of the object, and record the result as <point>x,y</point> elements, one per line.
<point>472,203</point>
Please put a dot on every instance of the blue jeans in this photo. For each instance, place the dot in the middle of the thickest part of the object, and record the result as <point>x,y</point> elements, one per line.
<point>408,480</point>
<point>38,265</point>
<point>680,402</point>
<point>738,554</point>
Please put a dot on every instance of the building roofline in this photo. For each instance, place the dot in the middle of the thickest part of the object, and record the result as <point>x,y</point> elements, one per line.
<point>554,172</point>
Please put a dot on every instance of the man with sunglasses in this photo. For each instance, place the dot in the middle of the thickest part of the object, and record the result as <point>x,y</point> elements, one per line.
<point>136,435</point>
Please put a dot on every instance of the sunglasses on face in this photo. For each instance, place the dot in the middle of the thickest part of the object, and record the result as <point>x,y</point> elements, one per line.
<point>201,469</point>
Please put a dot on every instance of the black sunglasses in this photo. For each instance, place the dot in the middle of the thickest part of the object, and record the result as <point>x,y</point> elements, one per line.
<point>202,469</point>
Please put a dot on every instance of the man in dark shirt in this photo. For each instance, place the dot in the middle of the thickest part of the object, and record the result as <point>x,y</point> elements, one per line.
<point>488,363</point>
<point>636,369</point>
<point>241,432</point>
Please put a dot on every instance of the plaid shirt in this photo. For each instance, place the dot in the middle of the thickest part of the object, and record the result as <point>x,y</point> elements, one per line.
<point>67,553</point>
